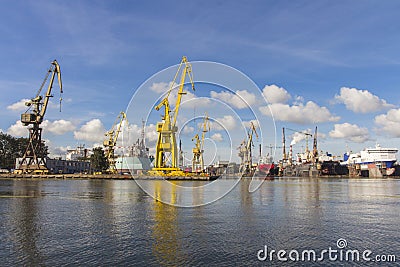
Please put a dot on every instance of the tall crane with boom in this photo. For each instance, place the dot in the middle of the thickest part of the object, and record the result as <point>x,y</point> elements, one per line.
<point>245,151</point>
<point>111,142</point>
<point>166,161</point>
<point>198,150</point>
<point>33,160</point>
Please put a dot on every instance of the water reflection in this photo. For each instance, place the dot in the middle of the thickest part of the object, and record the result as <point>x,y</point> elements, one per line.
<point>25,224</point>
<point>165,229</point>
<point>109,223</point>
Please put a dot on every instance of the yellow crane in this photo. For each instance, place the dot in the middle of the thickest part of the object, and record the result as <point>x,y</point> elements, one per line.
<point>198,150</point>
<point>166,161</point>
<point>110,143</point>
<point>245,150</point>
<point>33,160</point>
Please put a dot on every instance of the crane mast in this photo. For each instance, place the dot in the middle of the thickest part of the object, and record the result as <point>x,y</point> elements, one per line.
<point>198,150</point>
<point>111,142</point>
<point>33,160</point>
<point>245,151</point>
<point>166,148</point>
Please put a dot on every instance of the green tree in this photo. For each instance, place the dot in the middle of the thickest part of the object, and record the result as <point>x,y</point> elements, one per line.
<point>10,149</point>
<point>98,160</point>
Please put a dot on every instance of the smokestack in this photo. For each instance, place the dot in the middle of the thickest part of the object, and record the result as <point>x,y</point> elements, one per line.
<point>283,145</point>
<point>290,154</point>
<point>315,148</point>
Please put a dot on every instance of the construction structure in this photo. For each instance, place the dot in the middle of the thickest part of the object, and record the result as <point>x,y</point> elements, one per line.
<point>110,143</point>
<point>307,155</point>
<point>33,160</point>
<point>166,161</point>
<point>198,150</point>
<point>245,151</point>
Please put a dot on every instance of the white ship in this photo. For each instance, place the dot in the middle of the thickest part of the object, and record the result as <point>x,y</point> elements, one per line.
<point>382,157</point>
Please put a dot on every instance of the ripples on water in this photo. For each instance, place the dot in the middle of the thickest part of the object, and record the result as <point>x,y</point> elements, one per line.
<point>113,222</point>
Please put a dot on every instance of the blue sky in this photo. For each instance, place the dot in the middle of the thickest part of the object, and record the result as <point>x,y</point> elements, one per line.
<point>343,56</point>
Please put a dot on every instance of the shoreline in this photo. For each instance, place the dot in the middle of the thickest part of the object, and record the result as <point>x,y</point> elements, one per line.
<point>180,178</point>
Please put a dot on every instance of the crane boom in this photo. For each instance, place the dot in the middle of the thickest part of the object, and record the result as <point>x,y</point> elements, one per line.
<point>55,70</point>
<point>111,142</point>
<point>39,107</point>
<point>187,71</point>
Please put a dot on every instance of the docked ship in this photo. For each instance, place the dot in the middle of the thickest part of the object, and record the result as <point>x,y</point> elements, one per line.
<point>373,159</point>
<point>137,161</point>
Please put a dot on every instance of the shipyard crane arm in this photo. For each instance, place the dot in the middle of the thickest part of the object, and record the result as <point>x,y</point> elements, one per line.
<point>113,133</point>
<point>187,70</point>
<point>251,132</point>
<point>39,107</point>
<point>206,128</point>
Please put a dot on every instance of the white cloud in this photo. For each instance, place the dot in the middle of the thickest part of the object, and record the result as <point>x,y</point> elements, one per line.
<point>217,137</point>
<point>350,132</point>
<point>151,133</point>
<point>58,127</point>
<point>361,101</point>
<point>133,132</point>
<point>18,130</point>
<point>275,94</point>
<point>19,106</point>
<point>92,131</point>
<point>161,87</point>
<point>300,113</point>
<point>389,123</point>
<point>227,122</point>
<point>321,136</point>
<point>189,100</point>
<point>188,130</point>
<point>240,99</point>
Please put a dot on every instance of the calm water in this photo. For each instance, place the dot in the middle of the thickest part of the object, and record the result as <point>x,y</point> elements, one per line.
<point>110,223</point>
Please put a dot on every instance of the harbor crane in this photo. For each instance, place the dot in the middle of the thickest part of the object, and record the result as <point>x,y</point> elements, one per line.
<point>166,161</point>
<point>198,150</point>
<point>245,151</point>
<point>110,143</point>
<point>33,160</point>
